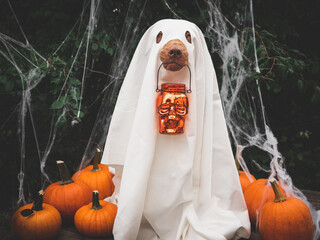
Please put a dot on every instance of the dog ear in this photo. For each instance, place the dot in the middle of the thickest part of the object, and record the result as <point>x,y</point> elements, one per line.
<point>159,37</point>
<point>188,36</point>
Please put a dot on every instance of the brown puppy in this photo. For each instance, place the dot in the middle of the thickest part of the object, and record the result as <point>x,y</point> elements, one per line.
<point>174,55</point>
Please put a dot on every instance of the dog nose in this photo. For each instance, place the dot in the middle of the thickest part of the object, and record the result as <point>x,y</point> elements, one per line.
<point>175,52</point>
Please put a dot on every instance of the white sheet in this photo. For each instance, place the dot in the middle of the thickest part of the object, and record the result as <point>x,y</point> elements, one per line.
<point>174,186</point>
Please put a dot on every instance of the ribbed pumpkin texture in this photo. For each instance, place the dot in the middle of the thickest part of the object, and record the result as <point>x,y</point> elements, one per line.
<point>256,195</point>
<point>97,176</point>
<point>96,219</point>
<point>67,195</point>
<point>37,221</point>
<point>285,218</point>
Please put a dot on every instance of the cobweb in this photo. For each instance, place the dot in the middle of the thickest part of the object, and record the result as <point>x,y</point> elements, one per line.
<point>32,72</point>
<point>241,95</point>
<point>231,42</point>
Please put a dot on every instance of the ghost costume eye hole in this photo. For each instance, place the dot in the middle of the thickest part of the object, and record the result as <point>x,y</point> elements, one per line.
<point>188,36</point>
<point>159,37</point>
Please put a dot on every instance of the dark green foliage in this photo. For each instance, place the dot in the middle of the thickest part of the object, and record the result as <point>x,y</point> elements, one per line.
<point>288,56</point>
<point>288,52</point>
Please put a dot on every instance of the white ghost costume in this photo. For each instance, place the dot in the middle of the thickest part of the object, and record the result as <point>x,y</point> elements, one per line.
<point>173,187</point>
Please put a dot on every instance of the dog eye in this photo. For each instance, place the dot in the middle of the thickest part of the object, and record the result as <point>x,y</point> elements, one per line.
<point>188,36</point>
<point>159,37</point>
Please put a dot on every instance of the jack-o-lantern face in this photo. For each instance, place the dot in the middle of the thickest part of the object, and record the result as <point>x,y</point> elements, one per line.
<point>172,105</point>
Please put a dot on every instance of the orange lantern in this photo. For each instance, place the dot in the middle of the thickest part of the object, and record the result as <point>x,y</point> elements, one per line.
<point>172,105</point>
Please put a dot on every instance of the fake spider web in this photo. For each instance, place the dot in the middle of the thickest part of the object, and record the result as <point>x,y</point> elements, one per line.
<point>240,91</point>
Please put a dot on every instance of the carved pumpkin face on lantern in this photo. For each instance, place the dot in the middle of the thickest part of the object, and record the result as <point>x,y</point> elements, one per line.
<point>172,103</point>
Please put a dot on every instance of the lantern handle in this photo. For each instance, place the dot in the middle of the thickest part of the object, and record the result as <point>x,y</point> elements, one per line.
<point>158,90</point>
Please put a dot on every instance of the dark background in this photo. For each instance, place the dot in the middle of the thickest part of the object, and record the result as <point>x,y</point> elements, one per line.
<point>288,52</point>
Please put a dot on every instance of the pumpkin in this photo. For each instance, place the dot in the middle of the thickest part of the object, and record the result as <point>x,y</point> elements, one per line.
<point>244,180</point>
<point>243,177</point>
<point>36,221</point>
<point>256,195</point>
<point>67,195</point>
<point>96,219</point>
<point>285,218</point>
<point>97,176</point>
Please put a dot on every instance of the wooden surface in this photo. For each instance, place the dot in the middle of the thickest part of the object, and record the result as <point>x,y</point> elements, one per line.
<point>71,233</point>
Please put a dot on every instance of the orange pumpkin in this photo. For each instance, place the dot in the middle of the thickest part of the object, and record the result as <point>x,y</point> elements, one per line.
<point>256,195</point>
<point>67,195</point>
<point>96,219</point>
<point>97,176</point>
<point>244,180</point>
<point>37,221</point>
<point>285,218</point>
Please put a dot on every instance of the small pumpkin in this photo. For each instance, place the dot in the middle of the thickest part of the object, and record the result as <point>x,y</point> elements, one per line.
<point>285,218</point>
<point>245,181</point>
<point>67,195</point>
<point>97,176</point>
<point>37,221</point>
<point>96,219</point>
<point>256,195</point>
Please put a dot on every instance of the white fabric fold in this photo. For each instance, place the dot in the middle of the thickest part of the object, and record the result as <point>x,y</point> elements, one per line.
<point>174,186</point>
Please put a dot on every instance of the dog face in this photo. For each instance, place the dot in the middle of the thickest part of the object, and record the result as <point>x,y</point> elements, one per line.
<point>175,49</point>
<point>174,54</point>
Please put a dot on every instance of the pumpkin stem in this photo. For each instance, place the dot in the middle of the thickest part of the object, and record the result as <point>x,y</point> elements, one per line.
<point>26,212</point>
<point>37,205</point>
<point>279,197</point>
<point>96,161</point>
<point>95,201</point>
<point>238,153</point>
<point>64,173</point>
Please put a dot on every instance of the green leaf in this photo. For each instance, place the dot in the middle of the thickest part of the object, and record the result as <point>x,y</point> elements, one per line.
<point>43,65</point>
<point>75,81</point>
<point>75,94</point>
<point>300,84</point>
<point>59,103</point>
<point>75,112</point>
<point>56,80</point>
<point>110,51</point>
<point>95,46</point>
<point>104,46</point>
<point>58,61</point>
<point>97,36</point>
<point>62,120</point>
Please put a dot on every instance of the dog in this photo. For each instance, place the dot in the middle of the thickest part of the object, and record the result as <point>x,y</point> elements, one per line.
<point>173,187</point>
<point>174,55</point>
